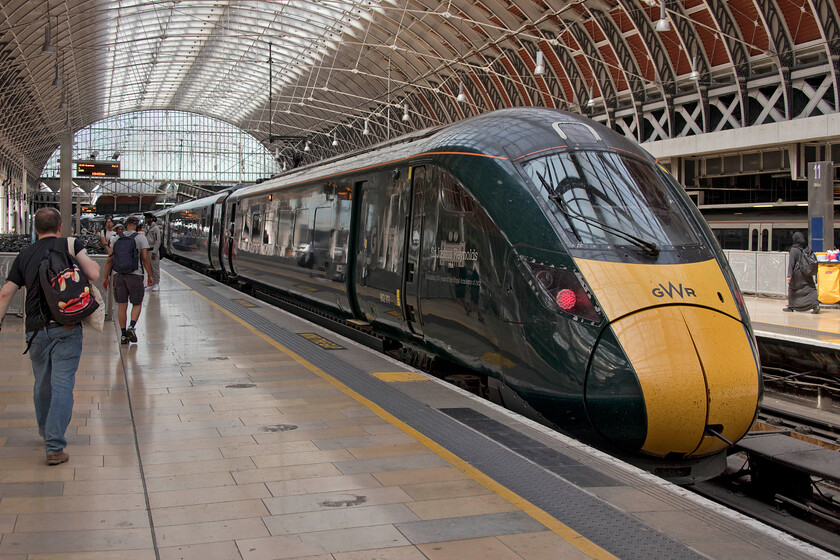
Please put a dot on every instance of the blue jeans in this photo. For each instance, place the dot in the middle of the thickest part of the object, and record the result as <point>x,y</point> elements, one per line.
<point>55,355</point>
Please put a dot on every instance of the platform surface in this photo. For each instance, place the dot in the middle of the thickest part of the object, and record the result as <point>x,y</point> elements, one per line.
<point>233,430</point>
<point>770,321</point>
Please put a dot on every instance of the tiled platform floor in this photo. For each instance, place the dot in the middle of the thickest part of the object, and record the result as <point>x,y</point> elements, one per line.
<point>224,474</point>
<point>207,440</point>
<point>769,310</point>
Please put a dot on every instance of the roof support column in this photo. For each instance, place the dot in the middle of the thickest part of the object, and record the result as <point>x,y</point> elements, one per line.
<point>4,206</point>
<point>25,199</point>
<point>66,182</point>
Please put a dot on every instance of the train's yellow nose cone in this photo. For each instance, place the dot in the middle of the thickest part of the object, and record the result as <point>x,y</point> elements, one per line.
<point>696,369</point>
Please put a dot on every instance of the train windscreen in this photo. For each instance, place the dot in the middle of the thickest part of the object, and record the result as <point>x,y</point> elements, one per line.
<point>605,198</point>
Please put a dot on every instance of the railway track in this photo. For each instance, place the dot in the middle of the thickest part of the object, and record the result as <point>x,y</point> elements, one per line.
<point>790,498</point>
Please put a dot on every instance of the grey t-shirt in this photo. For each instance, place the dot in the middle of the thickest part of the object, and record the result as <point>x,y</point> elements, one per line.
<point>142,243</point>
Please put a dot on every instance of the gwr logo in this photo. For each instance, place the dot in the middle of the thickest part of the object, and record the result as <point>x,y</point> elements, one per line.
<point>673,291</point>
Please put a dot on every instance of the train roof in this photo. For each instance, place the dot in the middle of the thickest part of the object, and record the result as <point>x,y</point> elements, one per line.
<point>508,134</point>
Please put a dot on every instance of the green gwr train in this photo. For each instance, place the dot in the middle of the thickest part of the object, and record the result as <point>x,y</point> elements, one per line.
<point>535,247</point>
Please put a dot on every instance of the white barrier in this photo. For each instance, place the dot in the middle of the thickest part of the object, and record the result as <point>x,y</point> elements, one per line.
<point>762,273</point>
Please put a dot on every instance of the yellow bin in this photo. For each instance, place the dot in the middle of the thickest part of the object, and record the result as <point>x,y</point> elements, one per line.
<point>828,282</point>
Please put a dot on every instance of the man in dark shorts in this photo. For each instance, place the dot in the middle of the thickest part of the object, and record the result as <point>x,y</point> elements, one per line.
<point>56,349</point>
<point>128,286</point>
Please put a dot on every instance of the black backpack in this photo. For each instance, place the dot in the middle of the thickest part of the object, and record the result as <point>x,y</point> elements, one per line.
<point>808,262</point>
<point>126,255</point>
<point>64,286</point>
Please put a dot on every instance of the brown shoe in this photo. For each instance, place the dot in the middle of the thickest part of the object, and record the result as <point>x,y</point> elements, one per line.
<point>58,458</point>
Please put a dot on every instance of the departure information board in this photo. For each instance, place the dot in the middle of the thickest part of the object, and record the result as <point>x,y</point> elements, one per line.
<point>92,168</point>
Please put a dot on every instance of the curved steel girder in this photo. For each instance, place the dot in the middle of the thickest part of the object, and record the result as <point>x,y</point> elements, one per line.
<point>629,68</point>
<point>518,73</point>
<point>596,63</point>
<point>735,46</point>
<point>776,27</point>
<point>665,73</point>
<point>571,68</point>
<point>693,46</point>
<point>826,15</point>
<point>619,46</point>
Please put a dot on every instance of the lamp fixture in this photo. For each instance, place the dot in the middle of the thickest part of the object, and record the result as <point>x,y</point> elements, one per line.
<point>306,146</point>
<point>335,140</point>
<point>695,75</point>
<point>116,155</point>
<point>57,81</point>
<point>366,130</point>
<point>405,116</point>
<point>47,46</point>
<point>539,69</point>
<point>591,102</point>
<point>63,104</point>
<point>663,24</point>
<point>94,154</point>
<point>461,96</point>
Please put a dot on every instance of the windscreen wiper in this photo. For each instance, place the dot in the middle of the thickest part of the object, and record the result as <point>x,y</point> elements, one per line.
<point>648,248</point>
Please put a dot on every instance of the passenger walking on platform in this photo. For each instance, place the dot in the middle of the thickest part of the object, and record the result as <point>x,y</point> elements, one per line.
<point>55,349</point>
<point>802,291</point>
<point>154,238</point>
<point>128,257</point>
<point>107,232</point>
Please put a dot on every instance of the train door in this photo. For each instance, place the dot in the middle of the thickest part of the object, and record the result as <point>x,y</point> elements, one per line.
<point>414,241</point>
<point>761,235</point>
<point>229,240</point>
<point>217,234</point>
<point>383,216</point>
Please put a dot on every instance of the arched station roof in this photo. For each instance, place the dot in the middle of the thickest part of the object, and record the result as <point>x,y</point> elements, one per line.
<point>322,70</point>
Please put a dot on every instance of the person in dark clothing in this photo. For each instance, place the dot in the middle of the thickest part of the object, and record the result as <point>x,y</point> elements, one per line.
<point>56,349</point>
<point>802,291</point>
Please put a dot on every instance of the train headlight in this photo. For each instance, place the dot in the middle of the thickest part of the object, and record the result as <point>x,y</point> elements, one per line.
<point>560,289</point>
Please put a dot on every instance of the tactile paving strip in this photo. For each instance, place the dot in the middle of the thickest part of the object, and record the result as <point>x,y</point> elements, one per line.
<point>785,329</point>
<point>609,528</point>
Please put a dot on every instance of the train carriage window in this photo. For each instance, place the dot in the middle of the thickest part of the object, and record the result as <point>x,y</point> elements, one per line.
<point>301,236</point>
<point>246,228</point>
<point>322,227</point>
<point>340,243</point>
<point>454,197</point>
<point>269,229</point>
<point>285,221</point>
<point>256,228</point>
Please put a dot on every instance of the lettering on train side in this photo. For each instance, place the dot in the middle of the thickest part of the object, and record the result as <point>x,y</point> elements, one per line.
<point>673,291</point>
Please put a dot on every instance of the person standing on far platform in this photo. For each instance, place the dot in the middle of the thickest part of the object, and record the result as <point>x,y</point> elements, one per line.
<point>802,291</point>
<point>154,237</point>
<point>107,232</point>
<point>132,248</point>
<point>55,349</point>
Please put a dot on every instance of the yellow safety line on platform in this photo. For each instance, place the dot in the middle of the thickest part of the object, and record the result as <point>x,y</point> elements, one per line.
<point>399,376</point>
<point>563,531</point>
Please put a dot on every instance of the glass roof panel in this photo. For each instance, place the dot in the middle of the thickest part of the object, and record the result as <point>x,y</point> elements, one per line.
<point>193,51</point>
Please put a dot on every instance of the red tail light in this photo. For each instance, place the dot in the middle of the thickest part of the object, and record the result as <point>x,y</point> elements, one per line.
<point>566,299</point>
<point>561,289</point>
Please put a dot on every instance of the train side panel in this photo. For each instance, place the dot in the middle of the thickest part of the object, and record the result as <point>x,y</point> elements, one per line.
<point>188,233</point>
<point>296,241</point>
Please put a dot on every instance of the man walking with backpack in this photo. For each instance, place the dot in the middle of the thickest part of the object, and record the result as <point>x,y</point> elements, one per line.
<point>55,348</point>
<point>128,256</point>
<point>154,238</point>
